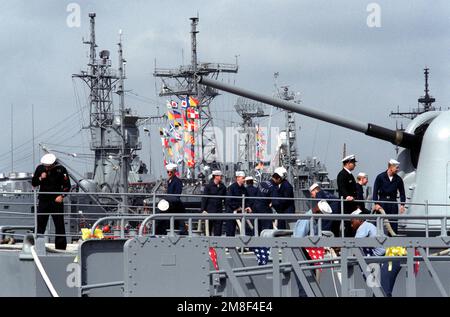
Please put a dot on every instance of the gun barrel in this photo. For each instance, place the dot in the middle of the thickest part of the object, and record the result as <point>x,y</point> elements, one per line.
<point>396,137</point>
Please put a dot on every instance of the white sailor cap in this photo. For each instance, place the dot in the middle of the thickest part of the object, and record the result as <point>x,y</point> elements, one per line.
<point>362,174</point>
<point>280,171</point>
<point>163,205</point>
<point>357,212</point>
<point>48,159</point>
<point>324,207</point>
<point>349,158</point>
<point>171,167</point>
<point>248,178</point>
<point>313,186</point>
<point>394,162</point>
<point>240,174</point>
<point>217,173</point>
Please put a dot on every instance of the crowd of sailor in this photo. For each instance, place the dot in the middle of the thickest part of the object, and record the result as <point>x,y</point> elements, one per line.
<point>278,196</point>
<point>278,193</point>
<point>269,196</point>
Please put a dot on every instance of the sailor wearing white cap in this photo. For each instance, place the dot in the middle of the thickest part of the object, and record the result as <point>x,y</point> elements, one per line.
<point>234,204</point>
<point>317,193</point>
<point>212,204</point>
<point>365,229</point>
<point>285,190</point>
<point>347,187</point>
<point>386,188</point>
<point>302,226</point>
<point>175,187</point>
<point>346,181</point>
<point>361,181</point>
<point>51,177</point>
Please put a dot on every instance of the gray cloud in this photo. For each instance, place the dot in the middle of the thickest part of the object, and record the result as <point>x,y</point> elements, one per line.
<point>324,50</point>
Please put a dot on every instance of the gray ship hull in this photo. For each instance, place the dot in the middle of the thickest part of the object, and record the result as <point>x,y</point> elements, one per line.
<point>177,266</point>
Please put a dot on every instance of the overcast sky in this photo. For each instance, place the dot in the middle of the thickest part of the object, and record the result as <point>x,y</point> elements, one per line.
<point>322,49</point>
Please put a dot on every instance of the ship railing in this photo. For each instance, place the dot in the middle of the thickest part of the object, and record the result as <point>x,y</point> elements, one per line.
<point>424,223</point>
<point>289,259</point>
<point>150,206</point>
<point>286,245</point>
<point>111,207</point>
<point>377,218</point>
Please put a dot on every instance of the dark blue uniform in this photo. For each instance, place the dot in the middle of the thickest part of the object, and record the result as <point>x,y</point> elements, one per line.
<point>252,191</point>
<point>347,187</point>
<point>386,190</point>
<point>234,204</point>
<point>174,186</point>
<point>284,206</point>
<point>360,196</point>
<point>214,205</point>
<point>262,206</point>
<point>57,181</point>
<point>389,275</point>
<point>330,225</point>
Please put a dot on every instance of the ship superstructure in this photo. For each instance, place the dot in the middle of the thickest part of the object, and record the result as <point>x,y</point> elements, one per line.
<point>200,146</point>
<point>114,132</point>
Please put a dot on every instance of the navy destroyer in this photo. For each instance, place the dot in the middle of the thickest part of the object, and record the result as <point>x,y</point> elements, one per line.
<point>195,264</point>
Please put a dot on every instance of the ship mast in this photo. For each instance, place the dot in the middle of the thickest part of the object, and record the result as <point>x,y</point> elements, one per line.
<point>194,22</point>
<point>427,101</point>
<point>181,82</point>
<point>424,103</point>
<point>125,155</point>
<point>113,135</point>
<point>248,110</point>
<point>289,159</point>
<point>100,81</point>
<point>12,139</point>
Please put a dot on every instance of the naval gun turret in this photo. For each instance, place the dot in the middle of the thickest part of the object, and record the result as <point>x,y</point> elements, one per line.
<point>425,157</point>
<point>396,137</point>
